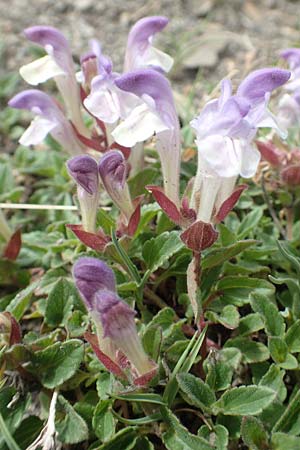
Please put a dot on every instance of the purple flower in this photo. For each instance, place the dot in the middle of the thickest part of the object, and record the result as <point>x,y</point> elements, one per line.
<point>292,56</point>
<point>139,52</point>
<point>84,170</point>
<point>225,130</point>
<point>155,115</point>
<point>49,119</point>
<point>106,101</point>
<point>113,173</point>
<point>92,275</point>
<point>289,104</point>
<point>113,318</point>
<point>57,64</point>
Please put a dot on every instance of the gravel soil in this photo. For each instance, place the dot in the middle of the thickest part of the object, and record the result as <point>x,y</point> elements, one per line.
<point>217,36</point>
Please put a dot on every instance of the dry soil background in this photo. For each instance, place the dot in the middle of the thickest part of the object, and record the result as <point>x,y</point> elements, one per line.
<point>217,36</point>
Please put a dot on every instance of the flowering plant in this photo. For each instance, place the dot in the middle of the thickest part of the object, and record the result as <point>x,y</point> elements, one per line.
<point>154,299</point>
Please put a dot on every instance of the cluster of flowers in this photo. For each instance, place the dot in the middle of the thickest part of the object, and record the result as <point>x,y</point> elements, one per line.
<point>126,110</point>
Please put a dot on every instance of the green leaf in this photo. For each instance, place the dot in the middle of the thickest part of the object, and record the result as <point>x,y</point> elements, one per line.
<point>152,340</point>
<point>28,431</point>
<point>249,222</point>
<point>178,437</point>
<point>144,398</point>
<point>220,255</point>
<point>103,421</point>
<point>183,365</point>
<point>295,262</point>
<point>218,436</point>
<point>219,374</point>
<point>252,351</point>
<point>72,428</point>
<point>229,317</point>
<point>254,434</point>
<point>292,337</point>
<point>282,441</point>
<point>273,379</point>
<point>60,302</point>
<point>196,392</point>
<point>236,290</point>
<point>274,322</point>
<point>290,416</point>
<point>138,182</point>
<point>245,400</point>
<point>57,363</point>
<point>164,319</point>
<point>123,440</point>
<point>143,443</point>
<point>104,385</point>
<point>157,251</point>
<point>250,324</point>
<point>278,349</point>
<point>20,303</point>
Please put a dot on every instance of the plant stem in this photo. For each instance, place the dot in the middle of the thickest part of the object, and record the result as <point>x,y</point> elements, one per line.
<point>270,207</point>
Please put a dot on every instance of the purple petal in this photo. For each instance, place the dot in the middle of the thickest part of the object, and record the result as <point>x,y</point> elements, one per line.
<point>149,82</point>
<point>35,101</point>
<point>139,41</point>
<point>84,170</point>
<point>145,28</point>
<point>260,82</point>
<point>92,275</point>
<point>292,56</point>
<point>116,316</point>
<point>53,42</point>
<point>53,120</point>
<point>226,90</point>
<point>112,169</point>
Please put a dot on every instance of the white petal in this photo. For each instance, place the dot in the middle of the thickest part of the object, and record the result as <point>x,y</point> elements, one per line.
<point>40,70</point>
<point>103,104</point>
<point>37,131</point>
<point>288,111</point>
<point>222,156</point>
<point>250,159</point>
<point>139,126</point>
<point>155,57</point>
<point>268,120</point>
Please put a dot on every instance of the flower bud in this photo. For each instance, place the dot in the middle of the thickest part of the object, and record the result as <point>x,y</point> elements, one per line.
<point>84,171</point>
<point>291,175</point>
<point>92,275</point>
<point>113,172</point>
<point>113,319</point>
<point>117,320</point>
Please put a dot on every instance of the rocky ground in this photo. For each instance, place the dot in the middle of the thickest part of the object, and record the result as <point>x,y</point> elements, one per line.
<point>217,36</point>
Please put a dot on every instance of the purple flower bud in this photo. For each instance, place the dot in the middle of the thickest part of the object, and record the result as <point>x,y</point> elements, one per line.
<point>92,275</point>
<point>113,172</point>
<point>84,170</point>
<point>112,169</point>
<point>116,316</point>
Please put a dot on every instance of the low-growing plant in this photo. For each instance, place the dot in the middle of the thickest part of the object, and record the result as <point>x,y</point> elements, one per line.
<point>166,315</point>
